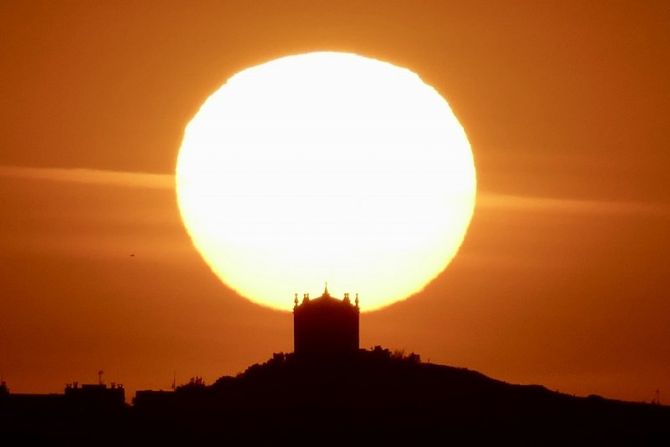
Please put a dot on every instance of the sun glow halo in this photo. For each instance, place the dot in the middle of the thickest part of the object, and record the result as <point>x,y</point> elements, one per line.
<point>326,167</point>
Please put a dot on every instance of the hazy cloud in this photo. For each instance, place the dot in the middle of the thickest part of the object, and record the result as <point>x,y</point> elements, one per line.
<point>485,200</point>
<point>92,176</point>
<point>545,204</point>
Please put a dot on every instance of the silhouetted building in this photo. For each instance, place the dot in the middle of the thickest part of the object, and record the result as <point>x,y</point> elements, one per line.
<point>95,395</point>
<point>80,409</point>
<point>325,326</point>
<point>91,396</point>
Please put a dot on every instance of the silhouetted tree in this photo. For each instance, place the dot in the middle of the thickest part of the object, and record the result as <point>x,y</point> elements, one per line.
<point>194,383</point>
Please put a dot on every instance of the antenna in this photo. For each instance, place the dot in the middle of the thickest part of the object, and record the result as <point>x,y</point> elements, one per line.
<point>174,380</point>
<point>100,373</point>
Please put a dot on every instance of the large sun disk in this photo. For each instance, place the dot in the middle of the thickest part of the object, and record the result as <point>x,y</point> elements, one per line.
<point>326,167</point>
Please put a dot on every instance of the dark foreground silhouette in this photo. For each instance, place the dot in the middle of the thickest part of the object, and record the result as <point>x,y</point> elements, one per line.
<point>372,395</point>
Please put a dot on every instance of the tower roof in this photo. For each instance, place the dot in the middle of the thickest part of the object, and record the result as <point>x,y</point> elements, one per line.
<point>325,299</point>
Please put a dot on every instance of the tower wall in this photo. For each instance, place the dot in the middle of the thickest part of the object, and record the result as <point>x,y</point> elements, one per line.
<point>325,327</point>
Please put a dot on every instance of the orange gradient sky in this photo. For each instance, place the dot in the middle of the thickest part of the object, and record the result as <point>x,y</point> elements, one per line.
<point>562,278</point>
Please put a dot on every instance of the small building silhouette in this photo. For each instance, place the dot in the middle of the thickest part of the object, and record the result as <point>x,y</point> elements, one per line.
<point>325,326</point>
<point>96,395</point>
<point>79,408</point>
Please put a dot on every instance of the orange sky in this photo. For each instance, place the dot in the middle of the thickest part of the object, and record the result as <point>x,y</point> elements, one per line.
<point>563,276</point>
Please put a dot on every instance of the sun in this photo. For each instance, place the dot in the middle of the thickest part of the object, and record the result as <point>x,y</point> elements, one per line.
<point>322,167</point>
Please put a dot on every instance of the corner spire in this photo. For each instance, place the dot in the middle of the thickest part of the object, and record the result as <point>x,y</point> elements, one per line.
<point>325,290</point>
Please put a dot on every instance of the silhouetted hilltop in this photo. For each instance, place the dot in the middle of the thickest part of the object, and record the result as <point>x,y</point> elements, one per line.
<point>372,395</point>
<point>385,396</point>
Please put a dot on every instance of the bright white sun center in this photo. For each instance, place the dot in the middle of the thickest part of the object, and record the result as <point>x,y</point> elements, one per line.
<point>326,167</point>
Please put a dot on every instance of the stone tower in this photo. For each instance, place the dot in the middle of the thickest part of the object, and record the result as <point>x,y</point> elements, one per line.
<point>325,326</point>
